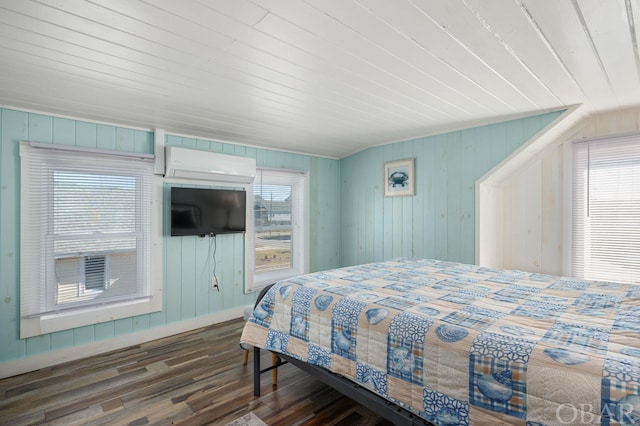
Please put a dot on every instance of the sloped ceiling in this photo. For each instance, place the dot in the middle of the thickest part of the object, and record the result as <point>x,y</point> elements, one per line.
<point>324,77</point>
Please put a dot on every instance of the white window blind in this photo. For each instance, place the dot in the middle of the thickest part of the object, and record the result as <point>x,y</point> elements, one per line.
<point>277,244</point>
<point>86,229</point>
<point>606,209</point>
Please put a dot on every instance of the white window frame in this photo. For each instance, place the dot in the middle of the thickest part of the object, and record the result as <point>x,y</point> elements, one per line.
<point>578,231</point>
<point>36,321</point>
<point>298,180</point>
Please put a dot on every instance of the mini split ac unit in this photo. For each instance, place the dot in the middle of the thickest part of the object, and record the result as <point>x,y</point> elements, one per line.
<point>203,165</point>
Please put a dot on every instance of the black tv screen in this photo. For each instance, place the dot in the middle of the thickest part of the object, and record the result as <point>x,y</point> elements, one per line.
<point>207,211</point>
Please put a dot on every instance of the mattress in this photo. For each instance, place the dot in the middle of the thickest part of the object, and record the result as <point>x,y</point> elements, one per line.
<point>463,344</point>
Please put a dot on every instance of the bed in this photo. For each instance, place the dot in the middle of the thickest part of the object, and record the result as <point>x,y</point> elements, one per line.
<point>453,343</point>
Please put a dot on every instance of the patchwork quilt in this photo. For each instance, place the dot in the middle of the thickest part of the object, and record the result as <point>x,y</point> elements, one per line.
<point>463,344</point>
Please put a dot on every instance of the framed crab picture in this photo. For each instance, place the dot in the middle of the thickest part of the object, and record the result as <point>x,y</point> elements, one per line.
<point>399,178</point>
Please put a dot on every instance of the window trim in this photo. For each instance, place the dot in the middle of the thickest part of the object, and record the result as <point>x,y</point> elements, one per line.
<point>35,325</point>
<point>255,282</point>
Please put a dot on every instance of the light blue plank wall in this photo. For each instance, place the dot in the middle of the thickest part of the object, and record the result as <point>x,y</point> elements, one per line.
<point>439,221</point>
<point>13,126</point>
<point>350,219</point>
<point>186,260</point>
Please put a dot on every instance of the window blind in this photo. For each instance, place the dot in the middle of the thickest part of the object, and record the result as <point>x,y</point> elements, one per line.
<point>606,209</point>
<point>86,228</point>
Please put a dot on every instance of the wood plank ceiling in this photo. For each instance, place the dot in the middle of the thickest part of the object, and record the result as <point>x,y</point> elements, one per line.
<point>324,77</point>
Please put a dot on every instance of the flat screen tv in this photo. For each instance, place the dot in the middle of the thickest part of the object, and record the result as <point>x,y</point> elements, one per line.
<point>207,211</point>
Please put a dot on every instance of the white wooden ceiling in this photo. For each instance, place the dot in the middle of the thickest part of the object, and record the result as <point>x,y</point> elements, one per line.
<point>325,77</point>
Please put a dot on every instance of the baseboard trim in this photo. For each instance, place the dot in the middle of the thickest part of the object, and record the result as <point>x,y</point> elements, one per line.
<point>36,362</point>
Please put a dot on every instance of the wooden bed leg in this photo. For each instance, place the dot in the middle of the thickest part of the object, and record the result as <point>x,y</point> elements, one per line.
<point>245,357</point>
<point>256,371</point>
<point>274,372</point>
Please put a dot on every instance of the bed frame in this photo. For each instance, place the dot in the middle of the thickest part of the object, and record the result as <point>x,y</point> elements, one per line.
<point>394,413</point>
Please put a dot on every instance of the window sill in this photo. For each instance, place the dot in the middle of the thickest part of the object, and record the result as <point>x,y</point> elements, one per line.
<point>66,320</point>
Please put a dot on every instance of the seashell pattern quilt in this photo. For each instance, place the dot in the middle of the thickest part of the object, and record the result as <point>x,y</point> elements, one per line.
<point>463,344</point>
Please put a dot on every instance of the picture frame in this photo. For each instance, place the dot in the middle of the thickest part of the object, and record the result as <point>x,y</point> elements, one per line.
<point>399,178</point>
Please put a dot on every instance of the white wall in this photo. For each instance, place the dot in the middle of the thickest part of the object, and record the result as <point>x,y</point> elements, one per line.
<point>536,204</point>
<point>532,216</point>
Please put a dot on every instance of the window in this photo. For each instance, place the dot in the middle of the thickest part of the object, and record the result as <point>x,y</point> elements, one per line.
<point>277,241</point>
<point>86,237</point>
<point>606,209</point>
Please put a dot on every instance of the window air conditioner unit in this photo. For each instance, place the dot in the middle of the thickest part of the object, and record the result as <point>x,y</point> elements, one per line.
<point>203,165</point>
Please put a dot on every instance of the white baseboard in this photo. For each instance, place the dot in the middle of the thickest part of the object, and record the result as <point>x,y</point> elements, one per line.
<point>36,362</point>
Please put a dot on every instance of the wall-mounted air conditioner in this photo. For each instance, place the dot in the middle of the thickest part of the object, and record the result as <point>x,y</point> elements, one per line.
<point>203,165</point>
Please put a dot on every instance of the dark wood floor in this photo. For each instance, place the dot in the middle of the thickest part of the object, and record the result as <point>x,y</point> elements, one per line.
<point>195,378</point>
